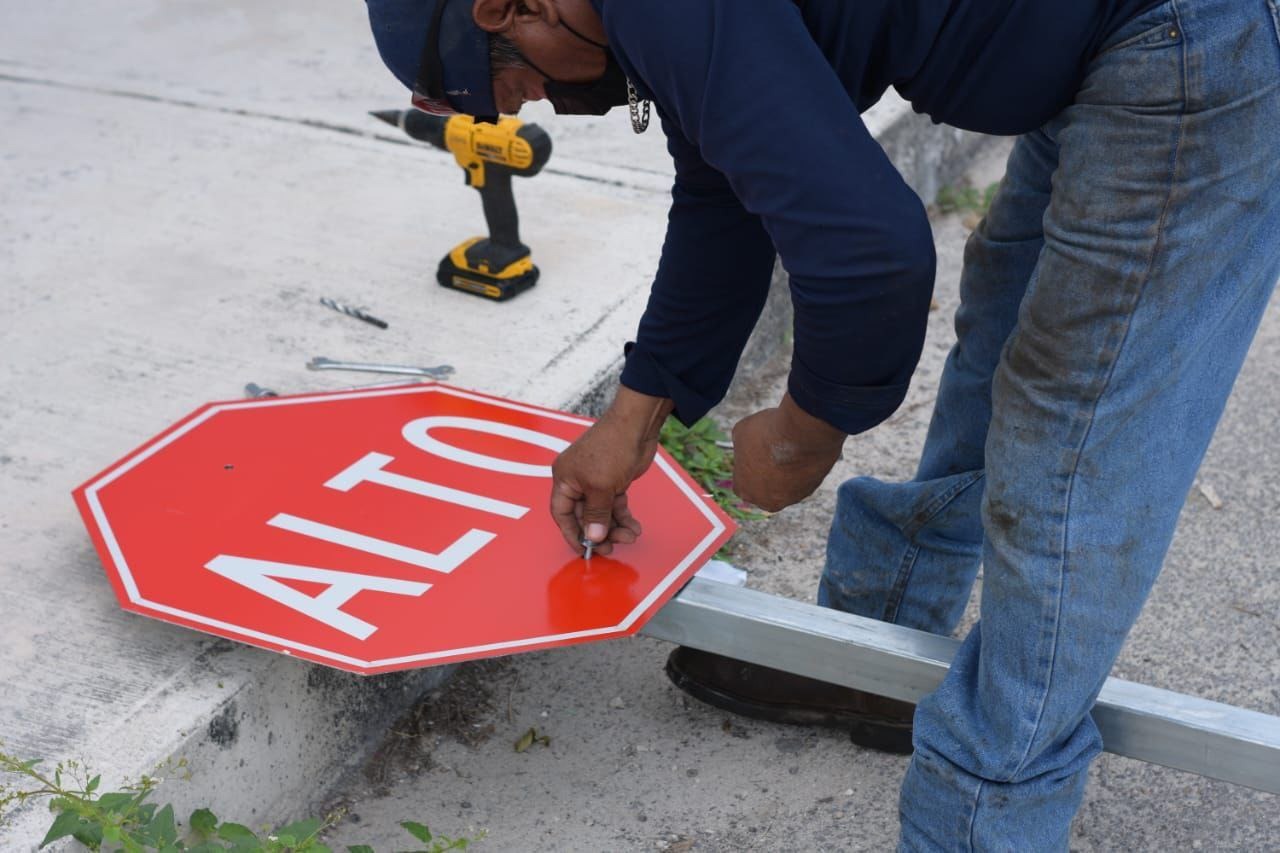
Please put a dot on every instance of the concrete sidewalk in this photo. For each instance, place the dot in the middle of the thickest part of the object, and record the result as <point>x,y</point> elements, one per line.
<point>184,181</point>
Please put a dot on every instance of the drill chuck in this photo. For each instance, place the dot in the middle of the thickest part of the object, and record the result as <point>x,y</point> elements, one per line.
<point>424,127</point>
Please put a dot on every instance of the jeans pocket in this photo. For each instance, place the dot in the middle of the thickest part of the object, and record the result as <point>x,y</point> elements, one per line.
<point>1157,27</point>
<point>1141,66</point>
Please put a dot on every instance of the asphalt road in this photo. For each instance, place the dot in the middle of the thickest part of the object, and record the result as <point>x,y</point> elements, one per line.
<point>634,765</point>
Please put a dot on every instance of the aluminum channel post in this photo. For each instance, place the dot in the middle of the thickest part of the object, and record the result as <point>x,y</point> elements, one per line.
<point>1147,723</point>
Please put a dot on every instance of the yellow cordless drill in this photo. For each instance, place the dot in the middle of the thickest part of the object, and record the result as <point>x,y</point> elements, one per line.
<point>498,266</point>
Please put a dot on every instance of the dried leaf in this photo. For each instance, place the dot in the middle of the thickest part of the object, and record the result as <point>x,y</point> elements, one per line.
<point>526,740</point>
<point>531,737</point>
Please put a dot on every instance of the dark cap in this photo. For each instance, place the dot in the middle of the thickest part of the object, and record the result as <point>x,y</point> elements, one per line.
<point>435,48</point>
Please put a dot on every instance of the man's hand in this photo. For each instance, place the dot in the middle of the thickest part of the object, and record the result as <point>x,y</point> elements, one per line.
<point>590,478</point>
<point>780,456</point>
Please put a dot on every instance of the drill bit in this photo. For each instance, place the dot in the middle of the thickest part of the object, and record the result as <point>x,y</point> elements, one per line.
<point>353,312</point>
<point>395,118</point>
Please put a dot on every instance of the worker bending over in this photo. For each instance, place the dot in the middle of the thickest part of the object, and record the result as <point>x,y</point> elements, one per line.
<point>1107,302</point>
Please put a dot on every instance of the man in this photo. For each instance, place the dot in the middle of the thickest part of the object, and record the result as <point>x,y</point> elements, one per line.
<point>1108,301</point>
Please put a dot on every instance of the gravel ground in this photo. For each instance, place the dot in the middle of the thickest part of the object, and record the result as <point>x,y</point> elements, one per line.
<point>632,764</point>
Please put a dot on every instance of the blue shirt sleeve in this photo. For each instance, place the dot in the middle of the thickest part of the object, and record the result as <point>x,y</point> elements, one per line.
<point>712,282</point>
<point>771,154</point>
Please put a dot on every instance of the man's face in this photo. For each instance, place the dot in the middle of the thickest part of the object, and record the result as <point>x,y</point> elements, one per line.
<point>514,87</point>
<point>531,35</point>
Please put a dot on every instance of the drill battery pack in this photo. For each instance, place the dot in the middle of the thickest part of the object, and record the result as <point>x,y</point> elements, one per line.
<point>485,268</point>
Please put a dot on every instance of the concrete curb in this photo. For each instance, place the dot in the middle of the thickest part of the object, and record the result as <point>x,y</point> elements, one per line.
<point>267,735</point>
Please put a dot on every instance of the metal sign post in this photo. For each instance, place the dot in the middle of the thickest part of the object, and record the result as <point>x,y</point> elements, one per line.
<point>1147,723</point>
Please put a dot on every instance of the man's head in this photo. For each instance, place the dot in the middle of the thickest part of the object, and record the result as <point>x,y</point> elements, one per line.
<point>484,57</point>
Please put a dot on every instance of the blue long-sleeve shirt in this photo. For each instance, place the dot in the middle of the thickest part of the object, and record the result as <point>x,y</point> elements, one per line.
<point>761,101</point>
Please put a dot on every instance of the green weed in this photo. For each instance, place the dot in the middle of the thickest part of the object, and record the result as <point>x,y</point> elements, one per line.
<point>705,452</point>
<point>966,199</point>
<point>127,821</point>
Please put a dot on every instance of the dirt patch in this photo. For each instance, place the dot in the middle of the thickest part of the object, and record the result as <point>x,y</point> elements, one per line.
<point>463,710</point>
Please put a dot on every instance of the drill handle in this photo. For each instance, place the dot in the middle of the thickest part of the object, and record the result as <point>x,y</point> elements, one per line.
<point>500,207</point>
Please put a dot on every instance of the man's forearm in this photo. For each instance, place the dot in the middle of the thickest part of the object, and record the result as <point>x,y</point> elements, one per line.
<point>781,455</point>
<point>640,415</point>
<point>805,429</point>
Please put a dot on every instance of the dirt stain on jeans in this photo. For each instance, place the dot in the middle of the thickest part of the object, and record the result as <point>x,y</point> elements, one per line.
<point>1002,516</point>
<point>1241,46</point>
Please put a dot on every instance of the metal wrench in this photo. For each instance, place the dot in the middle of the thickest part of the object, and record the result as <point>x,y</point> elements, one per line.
<point>438,372</point>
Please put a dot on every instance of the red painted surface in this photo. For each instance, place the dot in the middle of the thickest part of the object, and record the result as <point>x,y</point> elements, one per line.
<point>188,524</point>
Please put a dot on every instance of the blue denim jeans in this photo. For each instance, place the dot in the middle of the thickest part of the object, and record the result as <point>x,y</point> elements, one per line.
<point>1108,301</point>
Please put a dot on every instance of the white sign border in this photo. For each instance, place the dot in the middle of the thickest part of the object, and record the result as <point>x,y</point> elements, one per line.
<point>131,588</point>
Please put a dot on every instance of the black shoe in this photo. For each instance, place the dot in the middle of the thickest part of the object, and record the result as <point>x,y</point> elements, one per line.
<point>781,697</point>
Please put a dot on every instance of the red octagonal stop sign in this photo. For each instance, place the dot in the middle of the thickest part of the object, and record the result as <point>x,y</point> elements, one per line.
<point>382,529</point>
